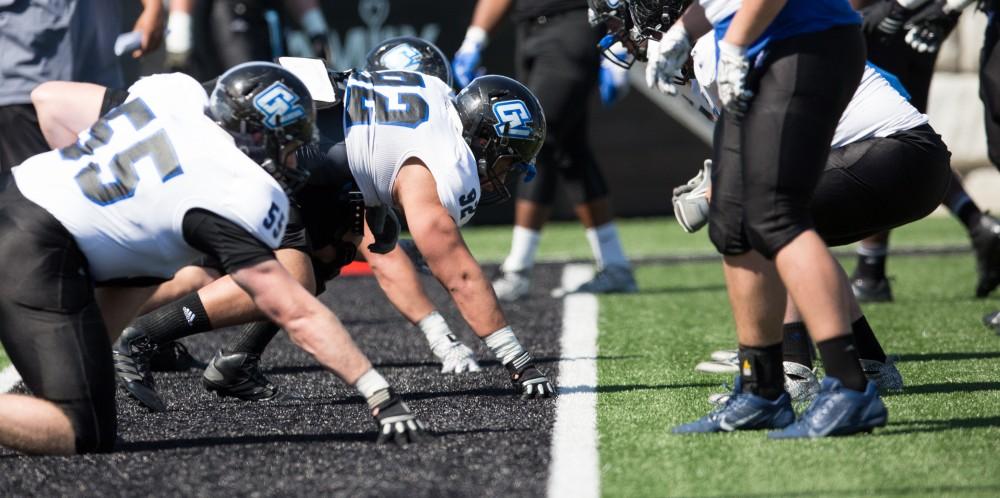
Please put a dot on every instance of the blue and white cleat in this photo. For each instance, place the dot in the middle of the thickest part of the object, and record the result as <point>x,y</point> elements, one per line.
<point>743,411</point>
<point>838,411</point>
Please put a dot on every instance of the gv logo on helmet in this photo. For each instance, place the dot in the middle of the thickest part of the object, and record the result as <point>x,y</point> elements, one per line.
<point>279,105</point>
<point>402,57</point>
<point>513,117</point>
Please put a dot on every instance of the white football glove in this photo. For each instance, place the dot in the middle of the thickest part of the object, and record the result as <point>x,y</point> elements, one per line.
<point>732,70</point>
<point>666,57</point>
<point>457,358</point>
<point>691,200</point>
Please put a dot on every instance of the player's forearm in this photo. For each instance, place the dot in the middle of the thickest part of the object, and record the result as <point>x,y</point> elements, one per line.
<point>489,13</point>
<point>751,20</point>
<point>695,22</point>
<point>464,279</point>
<point>399,280</point>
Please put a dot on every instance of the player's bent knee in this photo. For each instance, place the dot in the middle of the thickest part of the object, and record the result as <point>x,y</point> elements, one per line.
<point>95,428</point>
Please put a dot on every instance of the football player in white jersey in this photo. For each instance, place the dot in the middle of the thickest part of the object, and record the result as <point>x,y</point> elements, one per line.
<point>456,190</point>
<point>168,175</point>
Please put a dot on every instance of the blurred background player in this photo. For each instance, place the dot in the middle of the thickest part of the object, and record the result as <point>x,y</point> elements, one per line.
<point>207,37</point>
<point>903,38</point>
<point>44,40</point>
<point>557,58</point>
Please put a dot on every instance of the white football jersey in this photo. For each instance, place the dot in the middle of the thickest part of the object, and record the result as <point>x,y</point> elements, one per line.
<point>876,109</point>
<point>123,189</point>
<point>392,116</point>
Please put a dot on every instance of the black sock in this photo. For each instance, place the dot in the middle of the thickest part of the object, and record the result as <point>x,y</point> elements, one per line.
<point>181,318</point>
<point>871,263</point>
<point>254,338</point>
<point>868,345</point>
<point>761,371</point>
<point>797,347</point>
<point>840,359</point>
<point>967,212</point>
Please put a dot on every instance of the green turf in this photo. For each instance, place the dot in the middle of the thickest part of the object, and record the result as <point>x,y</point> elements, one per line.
<point>3,359</point>
<point>943,436</point>
<point>647,237</point>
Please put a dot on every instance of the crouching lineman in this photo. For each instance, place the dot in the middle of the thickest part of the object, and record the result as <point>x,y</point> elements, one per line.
<point>504,126</point>
<point>786,72</point>
<point>887,167</point>
<point>90,236</point>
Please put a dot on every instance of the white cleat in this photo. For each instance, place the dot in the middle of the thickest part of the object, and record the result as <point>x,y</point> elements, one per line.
<point>885,375</point>
<point>724,354</point>
<point>512,285</point>
<point>728,365</point>
<point>612,279</point>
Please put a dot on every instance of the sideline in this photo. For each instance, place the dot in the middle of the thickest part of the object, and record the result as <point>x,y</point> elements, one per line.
<point>8,379</point>
<point>574,471</point>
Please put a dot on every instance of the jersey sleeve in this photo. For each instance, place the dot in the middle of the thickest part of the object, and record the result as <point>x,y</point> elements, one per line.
<point>223,240</point>
<point>174,93</point>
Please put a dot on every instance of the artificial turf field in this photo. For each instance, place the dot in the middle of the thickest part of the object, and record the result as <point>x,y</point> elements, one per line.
<point>943,437</point>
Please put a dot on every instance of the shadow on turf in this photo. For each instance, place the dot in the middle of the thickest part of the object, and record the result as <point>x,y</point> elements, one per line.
<point>948,387</point>
<point>900,491</point>
<point>677,289</point>
<point>433,364</point>
<point>983,355</point>
<point>918,426</point>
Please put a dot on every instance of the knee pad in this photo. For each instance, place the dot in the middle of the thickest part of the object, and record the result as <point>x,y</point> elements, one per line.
<point>95,426</point>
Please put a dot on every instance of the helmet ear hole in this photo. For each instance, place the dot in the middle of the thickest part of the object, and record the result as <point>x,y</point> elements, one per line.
<point>504,124</point>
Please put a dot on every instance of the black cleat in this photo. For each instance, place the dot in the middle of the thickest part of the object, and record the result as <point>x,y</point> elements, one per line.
<point>238,375</point>
<point>132,354</point>
<point>174,357</point>
<point>870,290</point>
<point>992,320</point>
<point>986,244</point>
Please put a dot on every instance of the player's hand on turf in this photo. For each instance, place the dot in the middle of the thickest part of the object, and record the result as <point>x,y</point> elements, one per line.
<point>529,382</point>
<point>466,62</point>
<point>457,358</point>
<point>732,71</point>
<point>396,423</point>
<point>612,82</point>
<point>666,57</point>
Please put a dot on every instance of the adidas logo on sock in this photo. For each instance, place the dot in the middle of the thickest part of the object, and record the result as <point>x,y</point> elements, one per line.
<point>188,315</point>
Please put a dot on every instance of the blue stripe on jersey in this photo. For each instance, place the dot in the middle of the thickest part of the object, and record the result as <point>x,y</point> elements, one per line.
<point>796,18</point>
<point>892,79</point>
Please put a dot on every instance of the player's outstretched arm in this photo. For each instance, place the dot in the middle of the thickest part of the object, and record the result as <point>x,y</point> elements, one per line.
<point>66,108</point>
<point>438,239</point>
<point>314,328</point>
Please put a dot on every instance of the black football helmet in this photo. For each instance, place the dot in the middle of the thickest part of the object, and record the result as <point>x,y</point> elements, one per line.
<point>631,23</point>
<point>410,53</point>
<point>504,125</point>
<point>269,112</point>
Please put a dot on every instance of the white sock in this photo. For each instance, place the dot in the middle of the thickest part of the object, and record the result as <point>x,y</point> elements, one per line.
<point>437,332</point>
<point>523,247</point>
<point>606,246</point>
<point>178,38</point>
<point>504,345</point>
<point>373,387</point>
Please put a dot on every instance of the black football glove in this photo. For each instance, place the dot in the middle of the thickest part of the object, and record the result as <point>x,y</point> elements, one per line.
<point>396,423</point>
<point>929,28</point>
<point>884,20</point>
<point>528,381</point>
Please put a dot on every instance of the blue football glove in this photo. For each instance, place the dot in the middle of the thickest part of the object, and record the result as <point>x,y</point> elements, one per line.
<point>612,82</point>
<point>465,65</point>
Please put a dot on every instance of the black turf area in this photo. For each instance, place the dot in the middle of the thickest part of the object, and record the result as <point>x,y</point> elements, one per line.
<point>487,442</point>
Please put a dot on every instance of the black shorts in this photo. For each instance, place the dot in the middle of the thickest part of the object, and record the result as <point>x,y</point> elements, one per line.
<point>989,85</point>
<point>50,324</point>
<point>768,164</point>
<point>20,136</point>
<point>559,61</point>
<point>881,183</point>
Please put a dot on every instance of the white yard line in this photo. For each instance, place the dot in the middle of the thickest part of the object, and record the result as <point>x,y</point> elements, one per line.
<point>574,471</point>
<point>8,379</point>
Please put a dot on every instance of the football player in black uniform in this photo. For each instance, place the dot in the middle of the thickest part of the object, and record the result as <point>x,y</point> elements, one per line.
<point>556,57</point>
<point>903,37</point>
